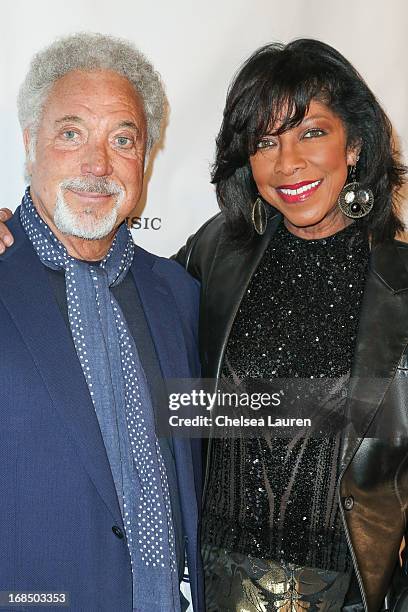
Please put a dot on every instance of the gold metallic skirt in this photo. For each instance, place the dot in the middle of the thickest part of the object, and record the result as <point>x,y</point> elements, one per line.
<point>240,583</point>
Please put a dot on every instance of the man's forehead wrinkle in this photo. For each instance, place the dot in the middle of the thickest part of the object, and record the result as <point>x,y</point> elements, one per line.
<point>91,96</point>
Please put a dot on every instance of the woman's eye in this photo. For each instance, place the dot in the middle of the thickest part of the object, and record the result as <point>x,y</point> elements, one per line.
<point>313,132</point>
<point>266,143</point>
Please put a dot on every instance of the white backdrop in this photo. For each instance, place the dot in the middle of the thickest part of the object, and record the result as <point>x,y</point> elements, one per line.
<point>197,47</point>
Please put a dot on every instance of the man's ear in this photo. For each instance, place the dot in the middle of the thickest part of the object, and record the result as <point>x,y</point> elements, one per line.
<point>28,146</point>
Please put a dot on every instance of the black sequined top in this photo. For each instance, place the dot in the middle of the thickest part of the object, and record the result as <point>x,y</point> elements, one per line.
<point>276,498</point>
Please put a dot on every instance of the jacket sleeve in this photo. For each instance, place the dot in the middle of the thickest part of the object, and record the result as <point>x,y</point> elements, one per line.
<point>183,255</point>
<point>188,255</point>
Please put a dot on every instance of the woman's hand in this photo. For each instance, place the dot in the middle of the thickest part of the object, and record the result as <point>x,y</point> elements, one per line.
<point>6,239</point>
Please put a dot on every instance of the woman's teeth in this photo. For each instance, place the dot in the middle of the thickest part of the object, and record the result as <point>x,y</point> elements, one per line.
<point>293,192</point>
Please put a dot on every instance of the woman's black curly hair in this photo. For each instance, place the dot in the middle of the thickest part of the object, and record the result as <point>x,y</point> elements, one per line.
<point>285,78</point>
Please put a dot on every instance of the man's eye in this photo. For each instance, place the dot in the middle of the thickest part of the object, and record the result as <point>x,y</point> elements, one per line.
<point>266,143</point>
<point>124,141</point>
<point>314,132</point>
<point>69,134</point>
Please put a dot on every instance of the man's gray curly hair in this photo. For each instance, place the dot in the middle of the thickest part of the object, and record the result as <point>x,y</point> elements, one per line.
<point>86,51</point>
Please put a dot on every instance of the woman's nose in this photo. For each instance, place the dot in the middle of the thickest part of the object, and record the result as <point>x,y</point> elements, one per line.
<point>289,159</point>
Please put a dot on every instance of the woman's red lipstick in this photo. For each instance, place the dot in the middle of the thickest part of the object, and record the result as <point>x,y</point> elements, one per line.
<point>298,192</point>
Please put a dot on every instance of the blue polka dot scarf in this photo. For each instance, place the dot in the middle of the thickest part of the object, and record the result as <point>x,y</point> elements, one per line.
<point>119,391</point>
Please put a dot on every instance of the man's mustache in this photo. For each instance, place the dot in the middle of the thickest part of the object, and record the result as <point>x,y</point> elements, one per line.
<point>100,185</point>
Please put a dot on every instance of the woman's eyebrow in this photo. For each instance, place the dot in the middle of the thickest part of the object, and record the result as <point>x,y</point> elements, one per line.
<point>314,117</point>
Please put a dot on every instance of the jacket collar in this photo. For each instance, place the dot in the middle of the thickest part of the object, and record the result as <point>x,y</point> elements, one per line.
<point>161,311</point>
<point>390,263</point>
<point>228,283</point>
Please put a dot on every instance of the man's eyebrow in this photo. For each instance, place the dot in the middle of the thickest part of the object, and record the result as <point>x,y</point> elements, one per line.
<point>128,124</point>
<point>67,118</point>
<point>75,119</point>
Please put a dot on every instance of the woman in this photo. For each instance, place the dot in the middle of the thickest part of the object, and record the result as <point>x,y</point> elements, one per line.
<point>302,279</point>
<point>290,289</point>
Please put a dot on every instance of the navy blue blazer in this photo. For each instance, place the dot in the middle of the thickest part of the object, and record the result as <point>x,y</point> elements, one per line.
<point>58,502</point>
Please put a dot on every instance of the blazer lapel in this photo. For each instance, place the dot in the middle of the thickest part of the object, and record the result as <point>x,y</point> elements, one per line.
<point>34,310</point>
<point>381,340</point>
<point>160,308</point>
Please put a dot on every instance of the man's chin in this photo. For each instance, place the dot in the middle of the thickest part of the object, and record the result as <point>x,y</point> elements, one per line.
<point>84,235</point>
<point>88,223</point>
<point>95,230</point>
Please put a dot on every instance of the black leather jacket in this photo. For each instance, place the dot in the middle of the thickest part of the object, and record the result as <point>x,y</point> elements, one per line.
<point>373,486</point>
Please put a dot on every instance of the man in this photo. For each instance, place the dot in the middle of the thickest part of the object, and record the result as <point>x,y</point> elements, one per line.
<point>94,505</point>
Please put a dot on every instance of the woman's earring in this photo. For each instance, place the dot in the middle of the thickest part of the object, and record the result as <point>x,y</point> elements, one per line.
<point>354,200</point>
<point>259,216</point>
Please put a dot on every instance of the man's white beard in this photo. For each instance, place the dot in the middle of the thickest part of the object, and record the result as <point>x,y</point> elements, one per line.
<point>85,224</point>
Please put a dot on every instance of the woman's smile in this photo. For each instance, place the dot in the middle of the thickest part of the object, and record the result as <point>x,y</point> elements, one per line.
<point>298,192</point>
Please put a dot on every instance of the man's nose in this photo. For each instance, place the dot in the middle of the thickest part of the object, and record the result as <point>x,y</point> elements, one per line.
<point>289,159</point>
<point>96,161</point>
